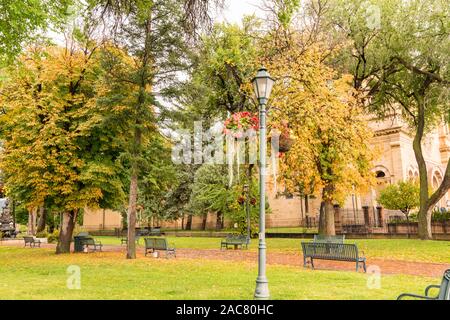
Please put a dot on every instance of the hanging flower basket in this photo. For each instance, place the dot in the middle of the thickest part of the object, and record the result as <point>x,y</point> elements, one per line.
<point>240,122</point>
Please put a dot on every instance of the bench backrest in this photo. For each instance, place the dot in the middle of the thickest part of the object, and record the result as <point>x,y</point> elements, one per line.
<point>28,239</point>
<point>444,292</point>
<point>237,237</point>
<point>88,241</point>
<point>83,234</point>
<point>156,243</point>
<point>338,251</point>
<point>329,239</point>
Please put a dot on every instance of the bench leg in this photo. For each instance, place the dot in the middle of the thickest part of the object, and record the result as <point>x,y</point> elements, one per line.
<point>312,263</point>
<point>357,266</point>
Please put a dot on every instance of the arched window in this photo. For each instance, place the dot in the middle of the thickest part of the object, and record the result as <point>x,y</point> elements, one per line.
<point>380,174</point>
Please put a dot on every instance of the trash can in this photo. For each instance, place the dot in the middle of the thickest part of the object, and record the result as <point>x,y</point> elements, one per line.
<point>79,243</point>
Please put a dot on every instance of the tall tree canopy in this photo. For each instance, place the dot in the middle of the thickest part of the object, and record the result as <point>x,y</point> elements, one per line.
<point>54,148</point>
<point>330,154</point>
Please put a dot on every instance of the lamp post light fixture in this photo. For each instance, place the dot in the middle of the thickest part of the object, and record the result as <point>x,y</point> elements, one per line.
<point>263,85</point>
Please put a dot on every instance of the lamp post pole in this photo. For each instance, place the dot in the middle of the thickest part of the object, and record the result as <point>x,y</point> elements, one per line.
<point>262,284</point>
<point>247,210</point>
<point>263,84</point>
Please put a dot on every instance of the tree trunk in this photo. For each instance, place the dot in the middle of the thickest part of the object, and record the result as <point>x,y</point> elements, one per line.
<point>408,229</point>
<point>219,221</point>
<point>205,217</point>
<point>131,222</point>
<point>306,205</point>
<point>32,221</point>
<point>42,219</point>
<point>66,232</point>
<point>189,222</point>
<point>424,221</point>
<point>326,218</point>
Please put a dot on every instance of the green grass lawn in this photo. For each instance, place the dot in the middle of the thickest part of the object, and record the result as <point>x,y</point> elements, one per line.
<point>40,274</point>
<point>397,249</point>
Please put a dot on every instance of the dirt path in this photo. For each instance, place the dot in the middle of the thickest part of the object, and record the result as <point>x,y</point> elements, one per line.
<point>387,266</point>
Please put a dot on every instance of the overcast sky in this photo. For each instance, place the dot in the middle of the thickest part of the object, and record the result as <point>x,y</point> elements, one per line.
<point>236,9</point>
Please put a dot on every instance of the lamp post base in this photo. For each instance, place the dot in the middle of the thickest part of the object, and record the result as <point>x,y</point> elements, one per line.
<point>262,289</point>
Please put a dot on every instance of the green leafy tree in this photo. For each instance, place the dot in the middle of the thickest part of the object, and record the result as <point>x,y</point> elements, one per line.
<point>177,199</point>
<point>22,20</point>
<point>211,192</point>
<point>403,196</point>
<point>54,151</point>
<point>158,178</point>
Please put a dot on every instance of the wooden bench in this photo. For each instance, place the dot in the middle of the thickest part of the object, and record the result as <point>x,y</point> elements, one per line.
<point>236,241</point>
<point>444,290</point>
<point>328,239</point>
<point>90,242</point>
<point>32,241</point>
<point>159,244</point>
<point>332,251</point>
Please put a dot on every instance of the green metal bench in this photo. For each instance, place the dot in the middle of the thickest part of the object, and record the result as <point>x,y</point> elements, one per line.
<point>235,240</point>
<point>444,290</point>
<point>89,242</point>
<point>328,239</point>
<point>32,241</point>
<point>124,240</point>
<point>332,251</point>
<point>159,244</point>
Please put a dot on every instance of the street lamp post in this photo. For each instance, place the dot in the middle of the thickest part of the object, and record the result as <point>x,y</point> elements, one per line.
<point>247,209</point>
<point>262,84</point>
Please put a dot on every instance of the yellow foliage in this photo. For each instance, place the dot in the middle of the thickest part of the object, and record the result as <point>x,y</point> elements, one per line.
<point>327,123</point>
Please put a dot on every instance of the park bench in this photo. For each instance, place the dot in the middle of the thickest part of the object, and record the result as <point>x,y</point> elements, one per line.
<point>236,241</point>
<point>444,290</point>
<point>155,231</point>
<point>89,242</point>
<point>331,251</point>
<point>159,244</point>
<point>32,241</point>
<point>124,240</point>
<point>328,239</point>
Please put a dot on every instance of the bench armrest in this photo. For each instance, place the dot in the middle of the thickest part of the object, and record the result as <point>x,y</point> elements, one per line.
<point>433,286</point>
<point>400,297</point>
<point>171,245</point>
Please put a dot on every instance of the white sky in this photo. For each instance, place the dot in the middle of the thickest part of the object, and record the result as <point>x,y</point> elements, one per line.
<point>235,10</point>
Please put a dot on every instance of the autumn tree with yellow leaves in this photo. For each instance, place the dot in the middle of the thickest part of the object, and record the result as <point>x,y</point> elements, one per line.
<point>55,152</point>
<point>330,153</point>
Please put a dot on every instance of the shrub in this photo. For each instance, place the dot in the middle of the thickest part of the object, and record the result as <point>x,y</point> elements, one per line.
<point>440,216</point>
<point>53,237</point>
<point>42,234</point>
